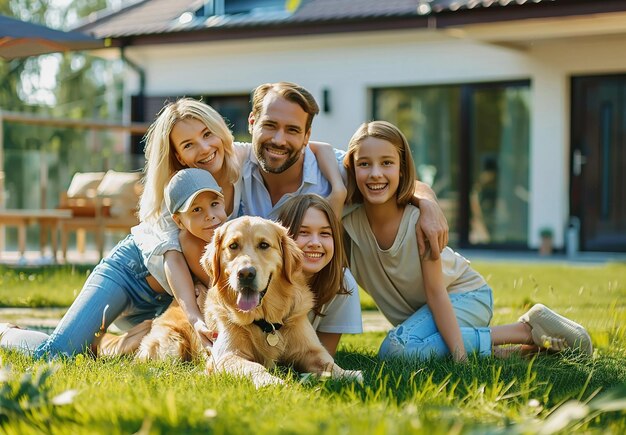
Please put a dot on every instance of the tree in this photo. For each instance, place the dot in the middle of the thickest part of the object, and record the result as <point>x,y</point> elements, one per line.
<point>84,87</point>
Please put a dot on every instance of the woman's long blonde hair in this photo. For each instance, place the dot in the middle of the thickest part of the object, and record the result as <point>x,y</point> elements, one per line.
<point>161,161</point>
<point>329,281</point>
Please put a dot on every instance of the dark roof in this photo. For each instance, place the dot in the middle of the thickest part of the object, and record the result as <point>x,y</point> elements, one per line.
<point>140,17</point>
<point>157,21</point>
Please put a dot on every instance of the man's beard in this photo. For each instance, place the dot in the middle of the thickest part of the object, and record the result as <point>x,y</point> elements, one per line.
<point>291,160</point>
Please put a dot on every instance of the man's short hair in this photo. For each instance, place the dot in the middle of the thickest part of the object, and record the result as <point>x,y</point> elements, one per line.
<point>291,92</point>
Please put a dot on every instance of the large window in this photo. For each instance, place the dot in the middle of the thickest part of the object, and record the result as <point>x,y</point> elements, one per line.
<point>470,143</point>
<point>39,162</point>
<point>429,117</point>
<point>498,158</point>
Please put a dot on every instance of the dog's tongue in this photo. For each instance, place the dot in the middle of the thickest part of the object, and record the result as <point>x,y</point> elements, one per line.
<point>247,300</point>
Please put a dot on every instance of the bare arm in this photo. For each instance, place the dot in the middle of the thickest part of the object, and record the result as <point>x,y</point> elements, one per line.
<point>330,341</point>
<point>327,161</point>
<point>439,303</point>
<point>181,283</point>
<point>432,226</point>
<point>193,248</point>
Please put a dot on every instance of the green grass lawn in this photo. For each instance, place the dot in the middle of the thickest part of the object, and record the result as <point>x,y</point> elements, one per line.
<point>546,394</point>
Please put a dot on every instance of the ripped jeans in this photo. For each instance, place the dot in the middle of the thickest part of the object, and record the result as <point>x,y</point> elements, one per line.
<point>418,335</point>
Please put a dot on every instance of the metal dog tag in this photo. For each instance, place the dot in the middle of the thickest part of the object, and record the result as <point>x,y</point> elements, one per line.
<point>272,339</point>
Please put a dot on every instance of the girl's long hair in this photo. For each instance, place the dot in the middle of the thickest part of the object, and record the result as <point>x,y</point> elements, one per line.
<point>329,281</point>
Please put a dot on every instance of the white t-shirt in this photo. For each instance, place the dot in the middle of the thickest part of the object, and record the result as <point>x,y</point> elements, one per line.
<point>342,314</point>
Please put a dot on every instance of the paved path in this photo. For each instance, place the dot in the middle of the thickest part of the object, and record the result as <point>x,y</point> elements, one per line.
<point>32,317</point>
<point>33,258</point>
<point>47,318</point>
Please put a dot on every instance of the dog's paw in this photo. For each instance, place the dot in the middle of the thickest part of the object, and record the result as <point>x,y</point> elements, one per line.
<point>142,355</point>
<point>352,375</point>
<point>265,379</point>
<point>338,374</point>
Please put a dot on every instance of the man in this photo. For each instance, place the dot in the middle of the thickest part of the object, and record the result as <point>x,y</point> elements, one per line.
<point>281,165</point>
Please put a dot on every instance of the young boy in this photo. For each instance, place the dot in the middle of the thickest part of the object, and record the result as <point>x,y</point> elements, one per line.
<point>195,201</point>
<point>196,204</point>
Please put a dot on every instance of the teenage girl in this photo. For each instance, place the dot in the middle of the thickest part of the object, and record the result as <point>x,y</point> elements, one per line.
<point>318,233</point>
<point>444,306</point>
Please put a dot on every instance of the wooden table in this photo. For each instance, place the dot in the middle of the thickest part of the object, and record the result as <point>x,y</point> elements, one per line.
<point>47,219</point>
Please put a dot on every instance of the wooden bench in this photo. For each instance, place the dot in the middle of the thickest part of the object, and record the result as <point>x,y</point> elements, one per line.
<point>48,220</point>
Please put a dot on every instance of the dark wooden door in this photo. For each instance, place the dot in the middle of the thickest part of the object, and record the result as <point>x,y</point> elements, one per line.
<point>598,161</point>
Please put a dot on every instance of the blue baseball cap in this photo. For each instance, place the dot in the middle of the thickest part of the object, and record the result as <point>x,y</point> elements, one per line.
<point>185,185</point>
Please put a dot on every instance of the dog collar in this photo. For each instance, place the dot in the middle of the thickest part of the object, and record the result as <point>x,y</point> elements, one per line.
<point>266,326</point>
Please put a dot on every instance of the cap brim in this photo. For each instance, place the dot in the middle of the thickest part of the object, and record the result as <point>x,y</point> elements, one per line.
<point>185,207</point>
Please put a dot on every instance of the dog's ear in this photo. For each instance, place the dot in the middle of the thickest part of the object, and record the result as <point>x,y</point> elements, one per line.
<point>210,260</point>
<point>292,256</point>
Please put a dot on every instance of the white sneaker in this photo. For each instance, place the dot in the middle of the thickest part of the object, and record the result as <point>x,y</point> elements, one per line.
<point>553,331</point>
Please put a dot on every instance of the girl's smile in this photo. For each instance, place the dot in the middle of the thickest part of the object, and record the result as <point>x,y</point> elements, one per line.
<point>377,170</point>
<point>208,159</point>
<point>315,238</point>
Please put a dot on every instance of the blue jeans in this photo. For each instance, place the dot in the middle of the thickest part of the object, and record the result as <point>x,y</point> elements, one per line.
<point>118,281</point>
<point>418,335</point>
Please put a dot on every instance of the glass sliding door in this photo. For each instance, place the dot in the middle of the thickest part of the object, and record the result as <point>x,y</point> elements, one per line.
<point>429,118</point>
<point>498,142</point>
<point>471,144</point>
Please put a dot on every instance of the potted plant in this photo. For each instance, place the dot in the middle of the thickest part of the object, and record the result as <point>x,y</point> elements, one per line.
<point>546,234</point>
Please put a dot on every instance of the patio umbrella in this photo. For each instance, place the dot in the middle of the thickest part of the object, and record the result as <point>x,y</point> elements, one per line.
<point>20,39</point>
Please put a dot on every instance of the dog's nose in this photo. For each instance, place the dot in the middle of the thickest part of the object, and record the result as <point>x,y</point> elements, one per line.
<point>246,275</point>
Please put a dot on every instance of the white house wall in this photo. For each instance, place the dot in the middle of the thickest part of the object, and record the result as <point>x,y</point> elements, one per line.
<point>556,63</point>
<point>348,65</point>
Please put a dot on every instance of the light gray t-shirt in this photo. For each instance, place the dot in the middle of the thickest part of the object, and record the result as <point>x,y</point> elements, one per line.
<point>393,277</point>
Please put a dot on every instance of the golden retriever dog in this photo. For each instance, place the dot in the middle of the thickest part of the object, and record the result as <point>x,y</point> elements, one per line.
<point>259,303</point>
